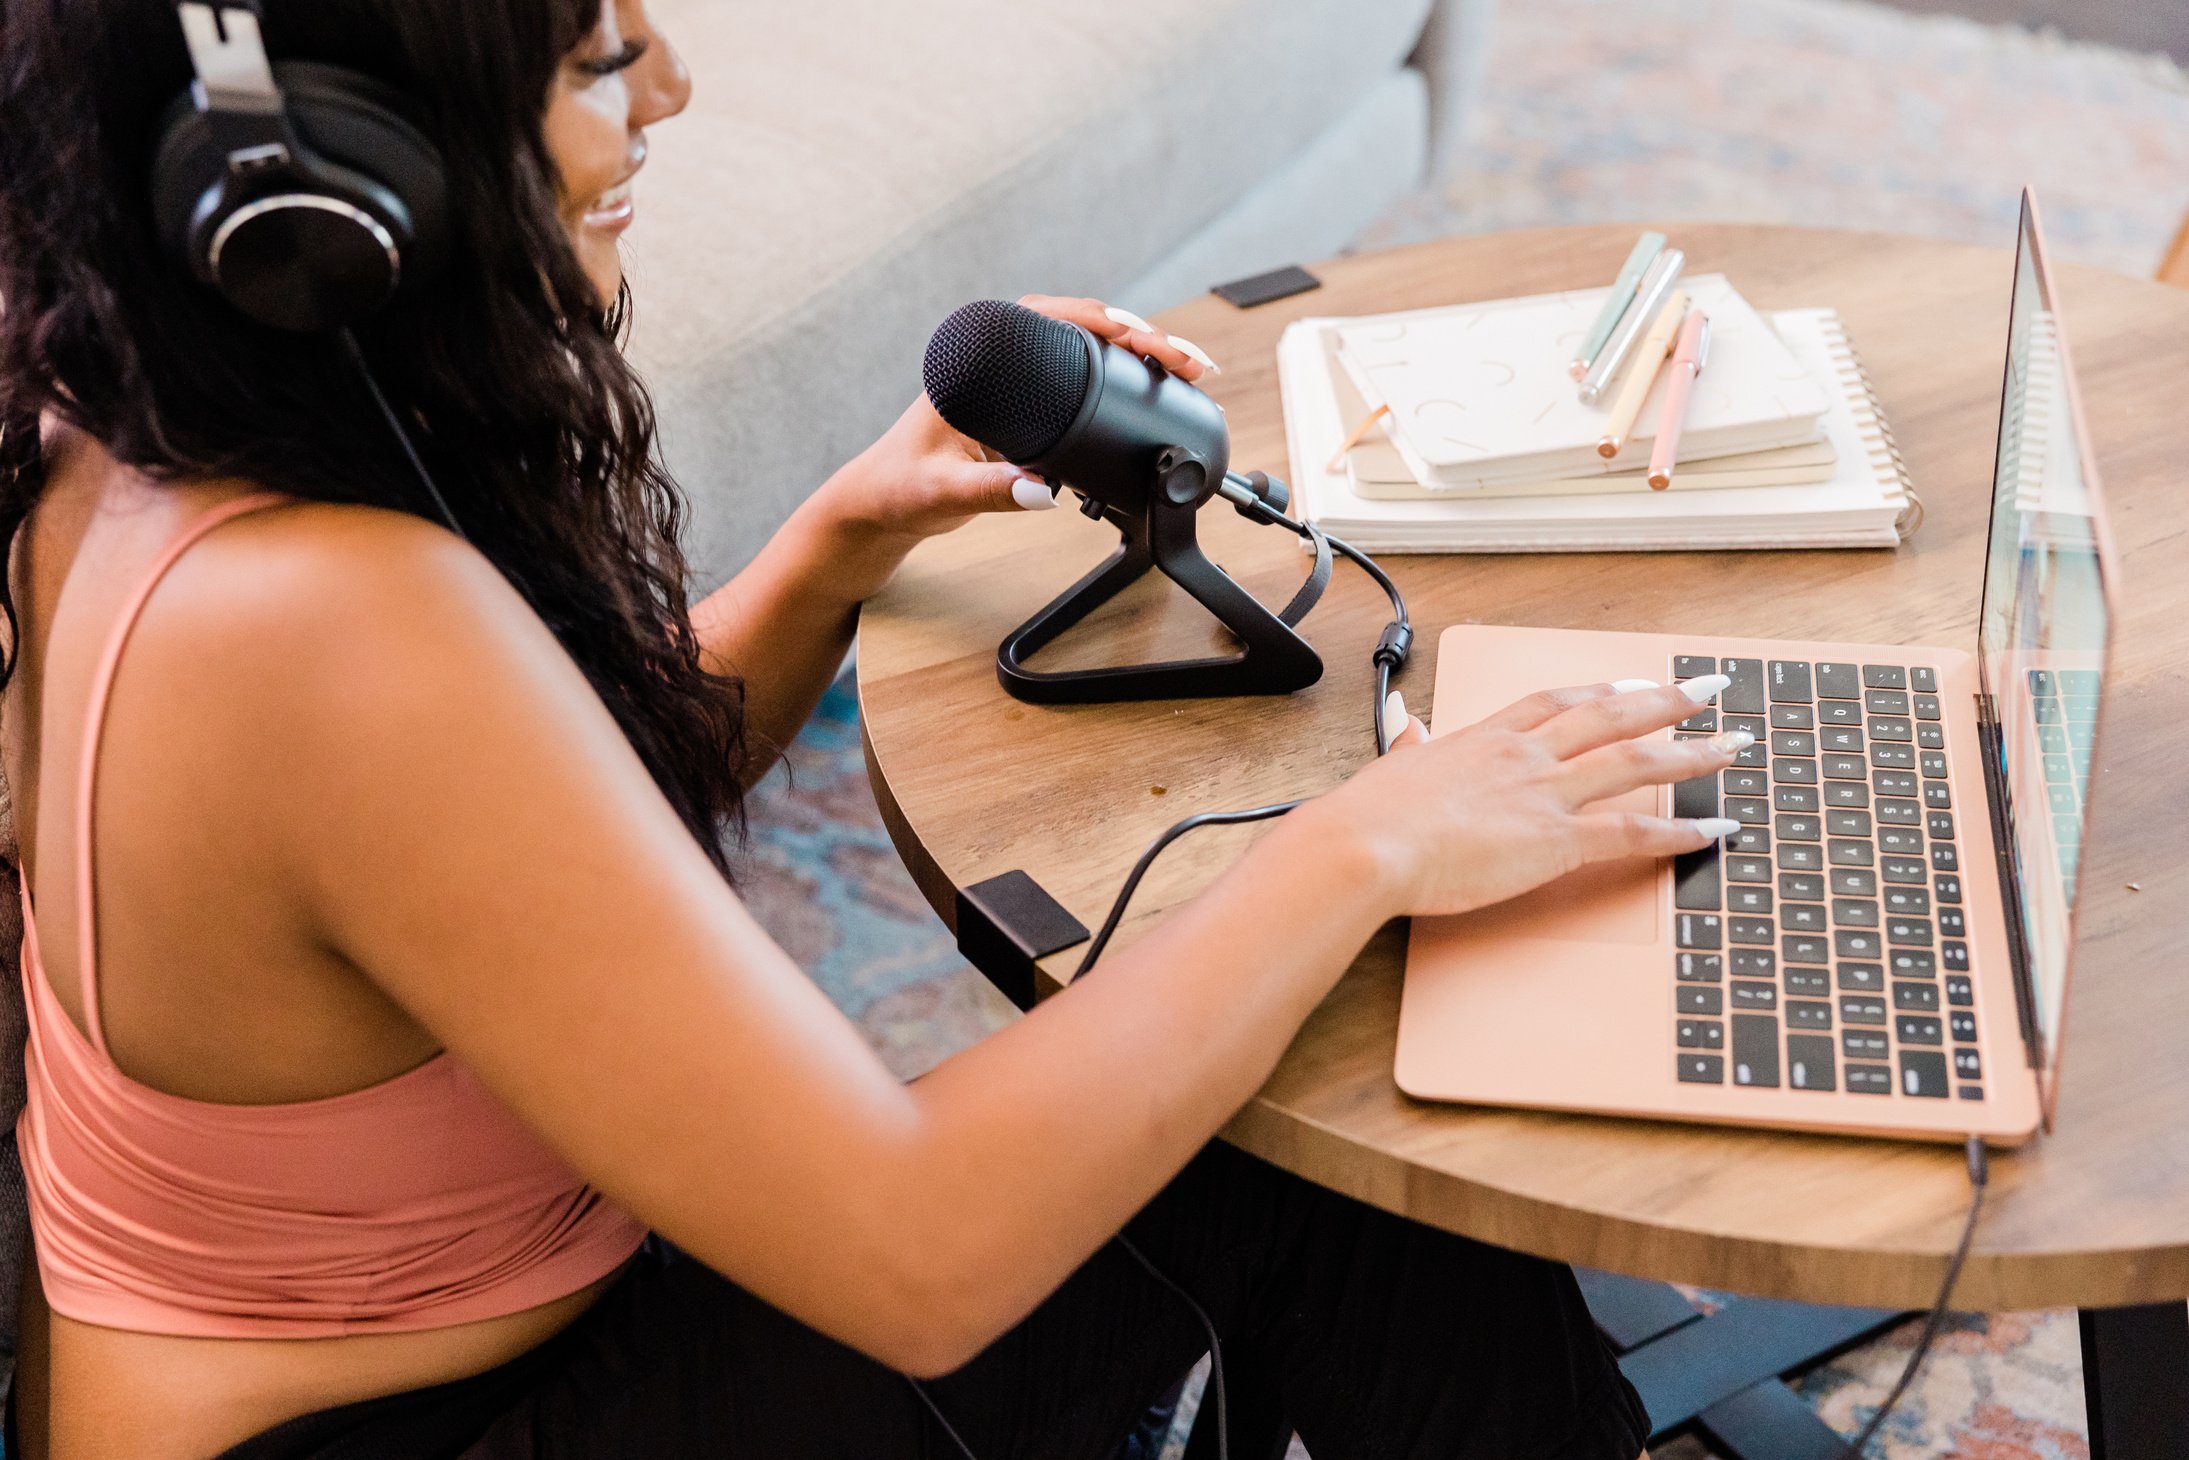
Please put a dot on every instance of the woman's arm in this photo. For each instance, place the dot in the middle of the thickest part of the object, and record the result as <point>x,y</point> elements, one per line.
<point>784,623</point>
<point>464,823</point>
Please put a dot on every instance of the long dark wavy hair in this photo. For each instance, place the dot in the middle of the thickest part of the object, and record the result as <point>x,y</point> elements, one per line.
<point>506,368</point>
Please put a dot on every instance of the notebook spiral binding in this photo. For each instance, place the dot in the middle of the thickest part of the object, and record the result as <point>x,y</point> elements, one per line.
<point>1877,434</point>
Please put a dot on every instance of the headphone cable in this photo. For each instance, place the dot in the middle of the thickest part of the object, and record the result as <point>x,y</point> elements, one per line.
<point>395,427</point>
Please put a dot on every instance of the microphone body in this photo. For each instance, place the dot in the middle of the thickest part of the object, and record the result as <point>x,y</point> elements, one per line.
<point>1076,410</point>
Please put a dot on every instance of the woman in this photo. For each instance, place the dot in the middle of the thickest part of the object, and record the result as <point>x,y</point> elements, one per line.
<point>393,990</point>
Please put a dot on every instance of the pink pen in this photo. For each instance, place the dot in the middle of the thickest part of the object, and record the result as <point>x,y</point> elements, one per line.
<point>1687,363</point>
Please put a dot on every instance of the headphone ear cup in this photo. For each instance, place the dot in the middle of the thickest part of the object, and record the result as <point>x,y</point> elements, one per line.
<point>358,151</point>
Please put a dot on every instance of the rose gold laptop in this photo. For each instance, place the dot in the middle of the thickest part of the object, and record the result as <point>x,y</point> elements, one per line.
<point>1883,947</point>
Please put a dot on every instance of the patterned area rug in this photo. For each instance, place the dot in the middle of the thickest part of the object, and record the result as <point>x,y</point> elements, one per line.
<point>1822,112</point>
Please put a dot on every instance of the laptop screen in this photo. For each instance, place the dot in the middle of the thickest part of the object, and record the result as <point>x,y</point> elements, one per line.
<point>2045,626</point>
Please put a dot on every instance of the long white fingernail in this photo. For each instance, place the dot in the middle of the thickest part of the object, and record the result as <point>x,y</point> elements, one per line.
<point>1703,691</point>
<point>1732,741</point>
<point>1032,495</point>
<point>1198,355</point>
<point>1394,712</point>
<point>1629,686</point>
<point>1128,319</point>
<point>1717,828</point>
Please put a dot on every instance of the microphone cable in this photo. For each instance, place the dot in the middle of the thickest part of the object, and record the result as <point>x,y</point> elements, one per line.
<point>356,353</point>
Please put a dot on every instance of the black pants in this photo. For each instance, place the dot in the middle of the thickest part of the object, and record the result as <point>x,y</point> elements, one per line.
<point>1386,1341</point>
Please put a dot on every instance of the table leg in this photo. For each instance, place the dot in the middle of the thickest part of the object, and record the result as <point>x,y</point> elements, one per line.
<point>2136,1381</point>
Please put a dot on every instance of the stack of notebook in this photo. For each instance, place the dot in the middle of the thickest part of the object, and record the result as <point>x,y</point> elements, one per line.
<point>1484,446</point>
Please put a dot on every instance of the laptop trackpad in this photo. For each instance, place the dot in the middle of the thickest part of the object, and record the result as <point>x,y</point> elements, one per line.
<point>1604,902</point>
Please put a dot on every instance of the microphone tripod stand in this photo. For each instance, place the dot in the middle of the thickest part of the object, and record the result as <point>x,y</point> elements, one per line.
<point>1159,533</point>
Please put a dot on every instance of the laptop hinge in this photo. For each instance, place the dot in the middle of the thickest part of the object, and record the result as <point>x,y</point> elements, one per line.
<point>2010,882</point>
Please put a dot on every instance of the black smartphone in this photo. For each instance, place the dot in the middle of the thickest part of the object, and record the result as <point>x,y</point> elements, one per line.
<point>1264,288</point>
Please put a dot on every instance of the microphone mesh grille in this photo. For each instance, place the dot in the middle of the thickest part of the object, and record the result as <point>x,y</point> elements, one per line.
<point>1006,376</point>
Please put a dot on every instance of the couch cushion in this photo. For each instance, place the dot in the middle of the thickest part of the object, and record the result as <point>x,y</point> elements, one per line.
<point>851,169</point>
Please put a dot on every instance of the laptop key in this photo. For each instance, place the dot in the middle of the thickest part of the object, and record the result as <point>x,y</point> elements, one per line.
<point>1923,1073</point>
<point>1803,917</point>
<point>1865,1044</point>
<point>1893,757</point>
<point>1841,739</point>
<point>1853,1010</point>
<point>1759,996</point>
<point>1693,666</point>
<point>1862,978</point>
<point>1703,999</point>
<point>1801,857</point>
<point>1895,812</point>
<point>1753,932</point>
<point>1793,717</point>
<point>1699,1034</point>
<point>1890,728</point>
<point>1929,736</point>
<point>1793,742</point>
<point>1748,810</point>
<point>1751,962</point>
<point>1790,681</point>
<point>1952,923</point>
<point>1945,858</point>
<point>1894,783</point>
<point>1922,998</point>
<point>1870,1079</point>
<point>1749,839</point>
<point>1839,682</point>
<point>1913,901</point>
<point>1748,869</point>
<point>1961,1024</point>
<point>1795,798</point>
<point>1800,949</point>
<point>1852,854</point>
<point>1967,1065</point>
<point>1885,702</point>
<point>1838,712</point>
<point>1953,957</point>
<point>1702,1069</point>
<point>1853,882</point>
<point>1845,768</point>
<point>1937,794</point>
<point>1744,696</point>
<point>1853,912</point>
<point>1959,991</point>
<point>1925,680</point>
<point>1801,887</point>
<point>1699,967</point>
<point>1749,900</point>
<point>1809,1062</point>
<point>1908,932</point>
<point>1918,1029</point>
<point>1704,719</point>
<point>1800,772</point>
<point>1696,930</point>
<point>1899,839</point>
<point>1855,943</point>
<point>1807,1014</point>
<point>1809,982</point>
<point>1934,764</point>
<point>1884,676</point>
<point>1755,1049</point>
<point>1848,823</point>
<point>1926,707</point>
<point>1902,869</point>
<point>1846,794</point>
<point>1939,824</point>
<point>1914,963</point>
<point>1948,888</point>
<point>1696,883</point>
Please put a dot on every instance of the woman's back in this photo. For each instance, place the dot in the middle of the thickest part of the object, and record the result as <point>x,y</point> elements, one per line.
<point>225,1137</point>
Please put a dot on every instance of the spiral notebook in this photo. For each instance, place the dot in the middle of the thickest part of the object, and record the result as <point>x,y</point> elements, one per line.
<point>1866,501</point>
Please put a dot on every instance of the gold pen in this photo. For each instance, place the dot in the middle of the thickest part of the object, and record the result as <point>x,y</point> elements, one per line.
<point>1649,357</point>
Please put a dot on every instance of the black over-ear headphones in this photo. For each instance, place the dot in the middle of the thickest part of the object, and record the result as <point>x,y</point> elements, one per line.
<point>303,192</point>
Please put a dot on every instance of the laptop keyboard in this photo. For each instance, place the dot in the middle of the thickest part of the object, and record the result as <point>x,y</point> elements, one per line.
<point>1823,945</point>
<point>2065,704</point>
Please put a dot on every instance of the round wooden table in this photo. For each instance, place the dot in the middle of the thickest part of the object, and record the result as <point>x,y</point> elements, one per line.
<point>973,783</point>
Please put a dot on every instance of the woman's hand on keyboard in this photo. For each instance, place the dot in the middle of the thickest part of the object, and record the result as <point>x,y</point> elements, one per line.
<point>1486,813</point>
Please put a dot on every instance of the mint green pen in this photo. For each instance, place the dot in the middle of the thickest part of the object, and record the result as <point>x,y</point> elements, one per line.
<point>1645,253</point>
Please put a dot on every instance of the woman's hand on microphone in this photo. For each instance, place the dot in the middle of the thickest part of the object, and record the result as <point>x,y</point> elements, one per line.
<point>922,478</point>
<point>1499,808</point>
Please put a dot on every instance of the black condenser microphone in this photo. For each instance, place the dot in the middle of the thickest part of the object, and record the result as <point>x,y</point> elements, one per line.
<point>1144,450</point>
<point>1077,410</point>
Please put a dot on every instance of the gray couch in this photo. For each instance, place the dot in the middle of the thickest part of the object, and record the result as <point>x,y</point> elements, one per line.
<point>851,170</point>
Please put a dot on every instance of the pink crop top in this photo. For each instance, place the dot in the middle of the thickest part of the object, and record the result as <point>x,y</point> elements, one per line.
<point>418,1202</point>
